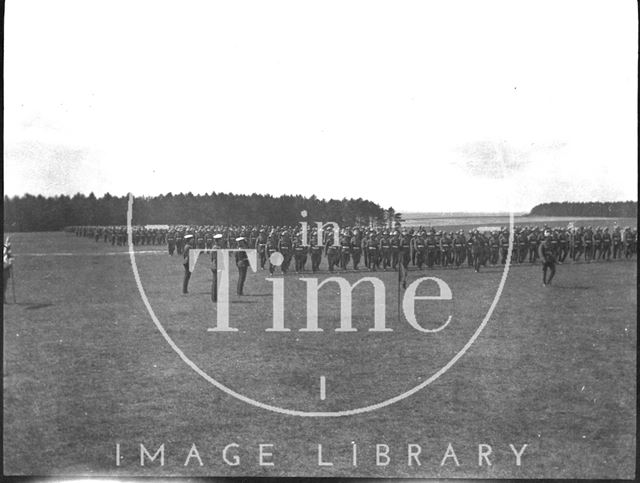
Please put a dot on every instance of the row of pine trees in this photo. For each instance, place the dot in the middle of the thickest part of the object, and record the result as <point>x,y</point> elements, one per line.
<point>618,209</point>
<point>39,213</point>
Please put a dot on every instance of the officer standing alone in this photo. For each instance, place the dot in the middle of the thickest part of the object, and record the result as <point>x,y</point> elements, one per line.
<point>242,262</point>
<point>214,266</point>
<point>185,263</point>
<point>548,258</point>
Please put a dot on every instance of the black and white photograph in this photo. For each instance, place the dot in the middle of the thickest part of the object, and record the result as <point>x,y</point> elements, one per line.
<point>303,238</point>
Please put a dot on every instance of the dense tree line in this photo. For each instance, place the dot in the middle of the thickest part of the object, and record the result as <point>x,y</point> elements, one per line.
<point>620,209</point>
<point>39,213</point>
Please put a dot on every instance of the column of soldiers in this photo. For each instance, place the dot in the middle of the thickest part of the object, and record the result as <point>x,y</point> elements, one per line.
<point>383,248</point>
<point>117,235</point>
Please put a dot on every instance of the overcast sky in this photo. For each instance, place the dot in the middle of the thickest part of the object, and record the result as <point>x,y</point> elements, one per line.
<point>419,105</point>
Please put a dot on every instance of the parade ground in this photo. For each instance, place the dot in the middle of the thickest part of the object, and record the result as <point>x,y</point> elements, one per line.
<point>89,375</point>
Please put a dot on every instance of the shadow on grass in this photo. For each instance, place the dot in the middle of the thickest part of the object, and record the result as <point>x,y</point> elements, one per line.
<point>34,306</point>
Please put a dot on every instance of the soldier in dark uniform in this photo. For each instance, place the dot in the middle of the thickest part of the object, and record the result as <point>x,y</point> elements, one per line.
<point>171,241</point>
<point>332,250</point>
<point>578,246</point>
<point>628,241</point>
<point>606,244</point>
<point>217,238</point>
<point>316,254</point>
<point>7,263</point>
<point>532,244</point>
<point>555,244</point>
<point>547,256</point>
<point>563,241</point>
<point>597,244</point>
<point>384,250</point>
<point>395,249</point>
<point>300,254</point>
<point>185,263</point>
<point>459,248</point>
<point>616,240</point>
<point>242,262</point>
<point>420,249</point>
<point>180,241</point>
<point>504,245</point>
<point>445,249</point>
<point>345,252</point>
<point>286,248</point>
<point>271,248</point>
<point>522,246</point>
<point>261,247</point>
<point>356,248</point>
<point>372,246</point>
<point>432,248</point>
<point>587,240</point>
<point>208,239</point>
<point>404,249</point>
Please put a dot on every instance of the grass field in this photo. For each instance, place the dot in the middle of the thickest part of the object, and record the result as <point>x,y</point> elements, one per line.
<point>85,368</point>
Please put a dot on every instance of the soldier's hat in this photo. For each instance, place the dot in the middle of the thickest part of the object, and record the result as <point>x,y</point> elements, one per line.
<point>240,238</point>
<point>217,236</point>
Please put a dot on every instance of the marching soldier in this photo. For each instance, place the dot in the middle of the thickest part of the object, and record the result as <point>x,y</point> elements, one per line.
<point>372,248</point>
<point>404,248</point>
<point>597,244</point>
<point>587,240</point>
<point>316,253</point>
<point>185,263</point>
<point>578,244</point>
<point>504,245</point>
<point>548,258</point>
<point>445,249</point>
<point>345,243</point>
<point>300,254</point>
<point>356,248</point>
<point>420,249</point>
<point>606,244</point>
<point>432,248</point>
<point>628,240</point>
<point>617,243</point>
<point>563,245</point>
<point>532,242</point>
<point>384,248</point>
<point>459,248</point>
<point>285,247</point>
<point>261,247</point>
<point>332,250</point>
<point>271,248</point>
<point>171,241</point>
<point>395,249</point>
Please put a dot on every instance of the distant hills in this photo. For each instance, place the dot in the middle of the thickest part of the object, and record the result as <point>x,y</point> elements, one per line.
<point>621,209</point>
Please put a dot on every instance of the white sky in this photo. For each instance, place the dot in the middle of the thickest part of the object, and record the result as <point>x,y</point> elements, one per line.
<point>406,103</point>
